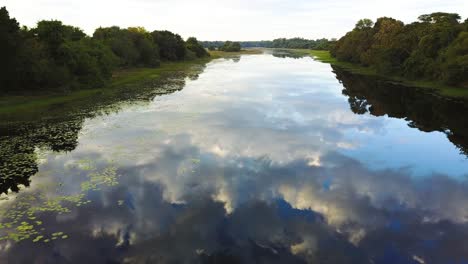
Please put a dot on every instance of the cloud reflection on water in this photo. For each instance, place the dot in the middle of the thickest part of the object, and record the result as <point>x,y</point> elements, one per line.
<point>243,170</point>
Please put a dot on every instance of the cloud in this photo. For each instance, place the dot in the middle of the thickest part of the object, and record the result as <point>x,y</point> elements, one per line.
<point>219,20</point>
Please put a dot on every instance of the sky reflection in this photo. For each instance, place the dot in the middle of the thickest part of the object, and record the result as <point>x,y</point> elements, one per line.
<point>259,160</point>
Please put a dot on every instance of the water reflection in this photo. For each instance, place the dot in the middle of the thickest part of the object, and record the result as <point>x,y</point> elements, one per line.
<point>250,163</point>
<point>280,53</point>
<point>426,111</point>
<point>57,128</point>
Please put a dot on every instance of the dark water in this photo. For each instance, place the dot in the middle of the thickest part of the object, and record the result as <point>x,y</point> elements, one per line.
<point>259,159</point>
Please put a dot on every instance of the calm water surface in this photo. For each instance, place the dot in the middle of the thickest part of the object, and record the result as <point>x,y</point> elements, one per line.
<point>260,159</point>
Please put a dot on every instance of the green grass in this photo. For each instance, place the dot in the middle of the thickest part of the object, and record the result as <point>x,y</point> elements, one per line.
<point>15,104</point>
<point>443,89</point>
<point>134,75</point>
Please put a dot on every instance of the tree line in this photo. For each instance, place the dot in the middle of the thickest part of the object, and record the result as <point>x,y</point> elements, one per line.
<point>230,46</point>
<point>433,48</point>
<point>292,43</point>
<point>54,56</point>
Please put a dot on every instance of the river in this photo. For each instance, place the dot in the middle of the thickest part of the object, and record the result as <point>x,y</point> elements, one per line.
<point>256,159</point>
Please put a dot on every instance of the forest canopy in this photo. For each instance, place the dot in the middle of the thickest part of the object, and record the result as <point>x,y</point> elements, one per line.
<point>434,48</point>
<point>54,56</point>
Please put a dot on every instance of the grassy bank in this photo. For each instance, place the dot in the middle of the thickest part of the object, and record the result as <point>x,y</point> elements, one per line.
<point>121,78</point>
<point>443,89</point>
<point>220,54</point>
<point>10,105</point>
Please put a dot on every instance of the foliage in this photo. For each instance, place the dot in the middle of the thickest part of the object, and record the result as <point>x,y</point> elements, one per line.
<point>301,43</point>
<point>455,60</point>
<point>57,57</point>
<point>194,46</point>
<point>133,46</point>
<point>230,46</point>
<point>171,46</point>
<point>435,48</point>
<point>10,40</point>
<point>283,43</point>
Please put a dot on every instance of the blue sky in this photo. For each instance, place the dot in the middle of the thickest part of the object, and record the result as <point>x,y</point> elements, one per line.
<point>236,20</point>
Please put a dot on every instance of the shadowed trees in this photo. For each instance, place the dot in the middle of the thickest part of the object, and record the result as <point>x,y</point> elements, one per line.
<point>194,46</point>
<point>57,57</point>
<point>171,46</point>
<point>133,46</point>
<point>50,56</point>
<point>423,110</point>
<point>10,41</point>
<point>230,46</point>
<point>434,48</point>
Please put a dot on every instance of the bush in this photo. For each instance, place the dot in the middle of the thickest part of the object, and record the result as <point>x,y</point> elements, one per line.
<point>231,46</point>
<point>193,45</point>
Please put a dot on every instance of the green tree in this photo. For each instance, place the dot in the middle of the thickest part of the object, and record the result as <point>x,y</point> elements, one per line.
<point>121,43</point>
<point>194,46</point>
<point>434,48</point>
<point>364,24</point>
<point>53,33</point>
<point>386,53</point>
<point>455,61</point>
<point>171,46</point>
<point>134,46</point>
<point>148,50</point>
<point>10,43</point>
<point>230,46</point>
<point>440,17</point>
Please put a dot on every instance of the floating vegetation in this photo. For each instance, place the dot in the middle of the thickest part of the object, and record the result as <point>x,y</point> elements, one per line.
<point>17,164</point>
<point>107,177</point>
<point>85,164</point>
<point>26,146</point>
<point>38,238</point>
<point>20,221</point>
<point>28,139</point>
<point>56,127</point>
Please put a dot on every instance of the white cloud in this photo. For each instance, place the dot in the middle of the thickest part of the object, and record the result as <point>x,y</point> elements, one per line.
<point>239,20</point>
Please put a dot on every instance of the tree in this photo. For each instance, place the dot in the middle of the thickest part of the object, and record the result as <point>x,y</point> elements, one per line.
<point>193,45</point>
<point>455,65</point>
<point>434,48</point>
<point>364,24</point>
<point>171,46</point>
<point>230,46</point>
<point>53,33</point>
<point>386,53</point>
<point>10,42</point>
<point>148,50</point>
<point>54,56</point>
<point>440,17</point>
<point>134,46</point>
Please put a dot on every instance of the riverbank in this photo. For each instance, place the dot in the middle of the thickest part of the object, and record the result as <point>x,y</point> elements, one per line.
<point>215,54</point>
<point>443,89</point>
<point>121,78</point>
